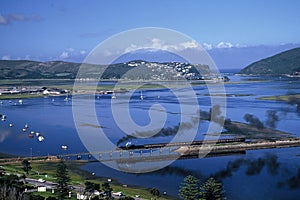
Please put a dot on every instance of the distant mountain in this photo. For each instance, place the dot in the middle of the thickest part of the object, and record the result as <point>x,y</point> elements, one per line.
<point>287,62</point>
<point>133,70</point>
<point>150,55</point>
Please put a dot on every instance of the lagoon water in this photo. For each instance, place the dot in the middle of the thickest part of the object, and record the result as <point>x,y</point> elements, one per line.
<point>259,174</point>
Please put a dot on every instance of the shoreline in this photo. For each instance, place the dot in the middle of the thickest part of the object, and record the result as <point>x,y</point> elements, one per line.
<point>79,177</point>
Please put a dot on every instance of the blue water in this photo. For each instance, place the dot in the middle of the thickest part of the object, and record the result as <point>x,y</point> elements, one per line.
<point>260,174</point>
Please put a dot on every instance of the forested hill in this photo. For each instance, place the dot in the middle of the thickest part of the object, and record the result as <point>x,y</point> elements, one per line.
<point>23,69</point>
<point>287,62</point>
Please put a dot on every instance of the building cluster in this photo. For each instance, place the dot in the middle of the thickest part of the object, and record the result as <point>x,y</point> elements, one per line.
<point>167,71</point>
<point>32,90</point>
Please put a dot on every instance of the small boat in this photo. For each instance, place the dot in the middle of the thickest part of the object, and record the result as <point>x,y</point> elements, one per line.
<point>37,134</point>
<point>32,132</point>
<point>30,135</point>
<point>3,118</point>
<point>128,144</point>
<point>41,138</point>
<point>26,126</point>
<point>113,96</point>
<point>142,96</point>
<point>11,124</point>
<point>24,129</point>
<point>64,147</point>
<point>20,101</point>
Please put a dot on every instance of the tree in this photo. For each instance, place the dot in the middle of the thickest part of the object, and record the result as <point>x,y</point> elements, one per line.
<point>189,189</point>
<point>62,179</point>
<point>11,188</point>
<point>212,190</point>
<point>90,187</point>
<point>26,166</point>
<point>107,189</point>
<point>155,192</point>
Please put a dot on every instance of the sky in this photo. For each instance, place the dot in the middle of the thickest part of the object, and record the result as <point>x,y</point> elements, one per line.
<point>70,29</point>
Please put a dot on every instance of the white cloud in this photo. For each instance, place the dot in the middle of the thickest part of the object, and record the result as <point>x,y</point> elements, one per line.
<point>64,55</point>
<point>82,52</point>
<point>156,43</point>
<point>190,45</point>
<point>73,54</point>
<point>222,45</point>
<point>6,57</point>
<point>70,49</point>
<point>207,46</point>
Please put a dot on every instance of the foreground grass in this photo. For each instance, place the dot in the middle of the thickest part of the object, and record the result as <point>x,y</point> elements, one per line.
<point>46,171</point>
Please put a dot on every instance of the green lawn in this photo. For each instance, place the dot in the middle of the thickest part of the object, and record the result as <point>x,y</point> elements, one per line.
<point>78,177</point>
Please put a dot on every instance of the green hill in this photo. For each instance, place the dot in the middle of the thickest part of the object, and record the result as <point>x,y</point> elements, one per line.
<point>133,70</point>
<point>287,62</point>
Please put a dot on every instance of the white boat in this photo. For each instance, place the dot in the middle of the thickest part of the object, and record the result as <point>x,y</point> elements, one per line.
<point>37,134</point>
<point>11,124</point>
<point>114,96</point>
<point>142,96</point>
<point>64,147</point>
<point>26,126</point>
<point>41,138</point>
<point>24,129</point>
<point>128,144</point>
<point>3,118</point>
<point>20,101</point>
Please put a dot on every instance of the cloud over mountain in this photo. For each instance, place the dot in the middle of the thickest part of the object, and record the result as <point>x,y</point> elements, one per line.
<point>156,43</point>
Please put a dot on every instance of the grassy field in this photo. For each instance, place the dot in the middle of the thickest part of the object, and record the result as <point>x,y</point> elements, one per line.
<point>46,171</point>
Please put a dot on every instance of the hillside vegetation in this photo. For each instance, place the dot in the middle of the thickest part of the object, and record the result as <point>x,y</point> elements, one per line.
<point>287,62</point>
<point>134,70</point>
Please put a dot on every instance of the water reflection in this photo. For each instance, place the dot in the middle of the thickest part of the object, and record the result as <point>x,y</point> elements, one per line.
<point>253,166</point>
<point>292,182</point>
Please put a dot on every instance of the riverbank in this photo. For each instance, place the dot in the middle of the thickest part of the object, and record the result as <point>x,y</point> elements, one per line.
<point>46,170</point>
